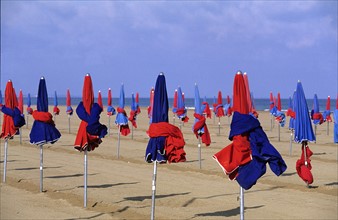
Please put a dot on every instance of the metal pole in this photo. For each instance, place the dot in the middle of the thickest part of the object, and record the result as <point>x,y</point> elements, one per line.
<point>199,152</point>
<point>174,119</point>
<point>271,123</point>
<point>27,120</point>
<point>69,123</point>
<point>316,131</point>
<point>153,188</point>
<point>41,168</point>
<point>5,160</point>
<point>85,179</point>
<point>241,193</point>
<point>118,142</point>
<point>290,153</point>
<point>219,125</point>
<point>109,125</point>
<point>327,128</point>
<point>278,132</point>
<point>20,131</point>
<point>132,132</point>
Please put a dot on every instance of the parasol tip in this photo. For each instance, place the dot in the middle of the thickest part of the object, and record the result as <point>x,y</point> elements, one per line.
<point>239,72</point>
<point>299,81</point>
<point>161,73</point>
<point>9,80</point>
<point>328,96</point>
<point>109,88</point>
<point>195,84</point>
<point>99,91</point>
<point>42,77</point>
<point>87,74</point>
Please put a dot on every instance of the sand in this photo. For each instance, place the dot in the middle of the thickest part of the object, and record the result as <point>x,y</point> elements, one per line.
<point>121,188</point>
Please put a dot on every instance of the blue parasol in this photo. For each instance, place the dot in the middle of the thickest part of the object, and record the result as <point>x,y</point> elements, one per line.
<point>303,134</point>
<point>56,103</point>
<point>166,141</point>
<point>181,111</point>
<point>43,129</point>
<point>303,128</point>
<point>316,116</point>
<point>200,128</point>
<point>121,119</point>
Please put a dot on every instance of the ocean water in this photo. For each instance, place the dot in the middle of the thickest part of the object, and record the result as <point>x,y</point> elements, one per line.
<point>260,104</point>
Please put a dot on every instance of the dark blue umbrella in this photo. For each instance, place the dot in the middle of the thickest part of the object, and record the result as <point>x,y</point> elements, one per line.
<point>303,134</point>
<point>43,129</point>
<point>162,135</point>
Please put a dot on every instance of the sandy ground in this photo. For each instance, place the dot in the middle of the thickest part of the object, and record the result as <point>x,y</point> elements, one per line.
<point>121,188</point>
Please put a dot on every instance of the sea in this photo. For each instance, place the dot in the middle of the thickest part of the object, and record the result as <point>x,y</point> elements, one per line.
<point>260,104</point>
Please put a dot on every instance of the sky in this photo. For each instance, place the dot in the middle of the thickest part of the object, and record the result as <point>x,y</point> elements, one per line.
<point>276,43</point>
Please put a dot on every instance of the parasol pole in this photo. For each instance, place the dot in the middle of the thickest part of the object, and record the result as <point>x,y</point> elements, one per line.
<point>27,120</point>
<point>5,160</point>
<point>109,125</point>
<point>153,188</point>
<point>278,132</point>
<point>85,178</point>
<point>271,122</point>
<point>41,167</point>
<point>69,123</point>
<point>315,130</point>
<point>327,127</point>
<point>199,152</point>
<point>291,134</point>
<point>174,119</point>
<point>118,141</point>
<point>132,132</point>
<point>219,125</point>
<point>241,194</point>
<point>20,131</point>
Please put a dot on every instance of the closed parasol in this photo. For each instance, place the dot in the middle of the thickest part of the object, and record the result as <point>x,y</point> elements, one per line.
<point>200,128</point>
<point>246,157</point>
<point>43,129</point>
<point>12,120</point>
<point>303,134</point>
<point>166,141</point>
<point>91,131</point>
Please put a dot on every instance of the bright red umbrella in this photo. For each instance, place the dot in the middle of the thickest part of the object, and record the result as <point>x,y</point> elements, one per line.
<point>91,132</point>
<point>137,100</point>
<point>219,110</point>
<point>151,102</point>
<point>99,99</point>
<point>247,88</point>
<point>12,119</point>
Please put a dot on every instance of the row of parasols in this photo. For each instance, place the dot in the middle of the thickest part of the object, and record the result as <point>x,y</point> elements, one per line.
<point>244,160</point>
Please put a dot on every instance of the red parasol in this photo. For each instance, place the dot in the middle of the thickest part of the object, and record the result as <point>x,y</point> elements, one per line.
<point>151,102</point>
<point>99,100</point>
<point>11,101</point>
<point>247,88</point>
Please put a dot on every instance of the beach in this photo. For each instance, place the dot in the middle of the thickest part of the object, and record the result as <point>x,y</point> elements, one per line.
<point>120,188</point>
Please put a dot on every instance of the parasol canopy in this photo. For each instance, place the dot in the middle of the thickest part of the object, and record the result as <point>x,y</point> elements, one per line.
<point>290,112</point>
<point>279,115</point>
<point>206,108</point>
<point>121,117</point>
<point>43,130</point>
<point>327,112</point>
<point>246,157</point>
<point>219,107</point>
<point>200,128</point>
<point>29,103</point>
<point>174,109</point>
<point>151,102</point>
<point>110,109</point>
<point>12,119</point>
<point>316,116</point>
<point>91,131</point>
<point>166,141</point>
<point>99,99</point>
<point>56,109</point>
<point>181,111</point>
<point>20,102</point>
<point>69,109</point>
<point>227,107</point>
<point>133,111</point>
